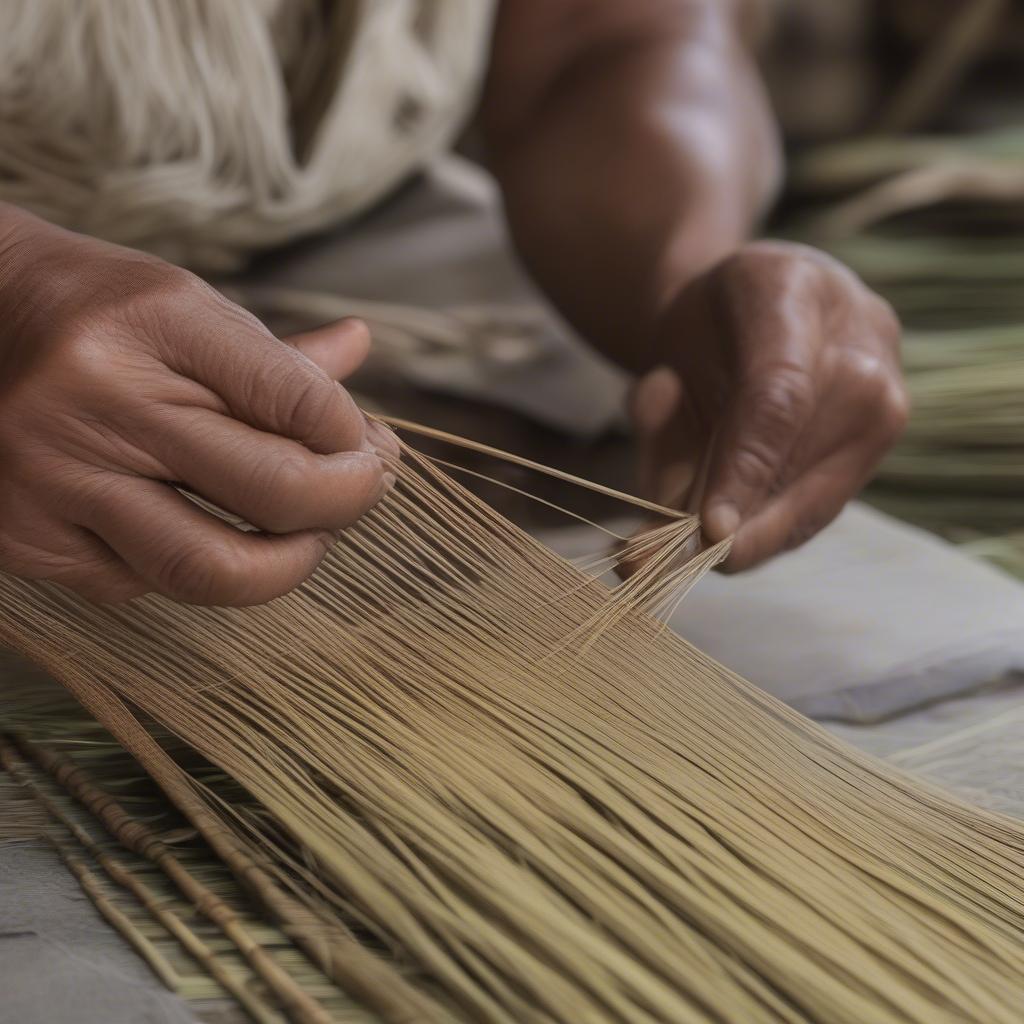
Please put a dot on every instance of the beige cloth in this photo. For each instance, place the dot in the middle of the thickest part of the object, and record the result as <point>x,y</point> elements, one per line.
<point>205,130</point>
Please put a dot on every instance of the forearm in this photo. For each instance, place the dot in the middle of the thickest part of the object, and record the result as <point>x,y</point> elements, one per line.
<point>634,148</point>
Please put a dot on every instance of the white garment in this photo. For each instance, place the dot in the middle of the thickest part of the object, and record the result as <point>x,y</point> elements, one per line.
<point>205,129</point>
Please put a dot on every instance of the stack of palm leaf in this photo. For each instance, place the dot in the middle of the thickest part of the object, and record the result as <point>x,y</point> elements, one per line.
<point>936,225</point>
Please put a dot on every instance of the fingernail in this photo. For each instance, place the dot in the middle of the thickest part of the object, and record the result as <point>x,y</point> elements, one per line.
<point>381,440</point>
<point>721,520</point>
<point>329,538</point>
<point>387,481</point>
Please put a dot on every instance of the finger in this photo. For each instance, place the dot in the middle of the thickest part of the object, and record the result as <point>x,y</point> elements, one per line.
<point>667,444</point>
<point>653,401</point>
<point>807,507</point>
<point>338,348</point>
<point>761,427</point>
<point>861,414</point>
<point>71,557</point>
<point>263,382</point>
<point>856,422</point>
<point>662,449</point>
<point>382,440</point>
<point>688,495</point>
<point>189,555</point>
<point>108,580</point>
<point>670,437</point>
<point>272,482</point>
<point>864,405</point>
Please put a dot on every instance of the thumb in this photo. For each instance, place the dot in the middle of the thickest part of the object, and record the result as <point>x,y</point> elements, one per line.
<point>338,348</point>
<point>653,401</point>
<point>666,441</point>
<point>761,427</point>
<point>664,469</point>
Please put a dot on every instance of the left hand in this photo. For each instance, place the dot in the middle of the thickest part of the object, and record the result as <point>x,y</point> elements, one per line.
<point>778,392</point>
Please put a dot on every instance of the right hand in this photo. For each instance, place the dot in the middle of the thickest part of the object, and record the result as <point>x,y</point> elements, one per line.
<point>120,373</point>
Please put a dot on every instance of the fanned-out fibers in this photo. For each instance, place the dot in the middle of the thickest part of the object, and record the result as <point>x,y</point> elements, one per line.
<point>484,789</point>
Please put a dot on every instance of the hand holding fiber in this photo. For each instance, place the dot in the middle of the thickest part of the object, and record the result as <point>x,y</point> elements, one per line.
<point>778,393</point>
<point>122,376</point>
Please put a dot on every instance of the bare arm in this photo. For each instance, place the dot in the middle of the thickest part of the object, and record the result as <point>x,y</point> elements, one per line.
<point>635,149</point>
<point>636,152</point>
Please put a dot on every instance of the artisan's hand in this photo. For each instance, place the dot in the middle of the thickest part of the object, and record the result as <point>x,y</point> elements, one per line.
<point>119,373</point>
<point>780,392</point>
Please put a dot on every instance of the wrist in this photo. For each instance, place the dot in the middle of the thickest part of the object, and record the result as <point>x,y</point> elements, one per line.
<point>718,225</point>
<point>686,308</point>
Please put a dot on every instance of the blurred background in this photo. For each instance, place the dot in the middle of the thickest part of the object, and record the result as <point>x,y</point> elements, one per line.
<point>905,122</point>
<point>852,67</point>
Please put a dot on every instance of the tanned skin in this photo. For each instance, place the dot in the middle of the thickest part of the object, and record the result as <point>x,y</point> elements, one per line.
<point>636,152</point>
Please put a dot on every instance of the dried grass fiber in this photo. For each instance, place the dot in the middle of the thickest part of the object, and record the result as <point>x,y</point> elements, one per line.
<point>484,789</point>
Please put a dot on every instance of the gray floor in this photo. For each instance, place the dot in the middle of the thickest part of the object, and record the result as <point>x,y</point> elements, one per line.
<point>60,963</point>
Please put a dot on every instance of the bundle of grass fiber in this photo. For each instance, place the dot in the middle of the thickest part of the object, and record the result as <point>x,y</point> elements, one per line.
<point>473,785</point>
<point>934,224</point>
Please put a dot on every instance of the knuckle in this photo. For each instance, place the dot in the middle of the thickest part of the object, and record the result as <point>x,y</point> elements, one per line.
<point>203,573</point>
<point>781,402</point>
<point>759,255</point>
<point>279,493</point>
<point>784,264</point>
<point>895,410</point>
<point>754,464</point>
<point>131,302</point>
<point>82,491</point>
<point>304,402</point>
<point>149,280</point>
<point>81,354</point>
<point>868,372</point>
<point>161,295</point>
<point>880,385</point>
<point>778,405</point>
<point>745,271</point>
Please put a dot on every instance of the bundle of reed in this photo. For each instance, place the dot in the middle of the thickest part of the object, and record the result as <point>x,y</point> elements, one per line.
<point>960,466</point>
<point>959,469</point>
<point>480,787</point>
<point>1006,550</point>
<point>956,37</point>
<point>873,178</point>
<point>934,224</point>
